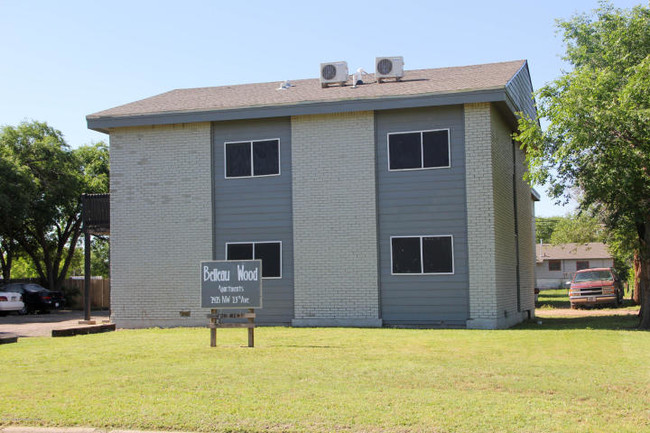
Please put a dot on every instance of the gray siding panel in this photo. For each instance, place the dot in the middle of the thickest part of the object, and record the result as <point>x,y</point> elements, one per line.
<point>423,202</point>
<point>257,209</point>
<point>520,90</point>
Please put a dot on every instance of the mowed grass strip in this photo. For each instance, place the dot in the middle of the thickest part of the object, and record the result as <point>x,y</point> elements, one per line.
<point>320,380</point>
<point>553,298</point>
<point>556,301</point>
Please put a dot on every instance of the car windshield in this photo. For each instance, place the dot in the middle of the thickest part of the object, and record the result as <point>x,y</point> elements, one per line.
<point>593,276</point>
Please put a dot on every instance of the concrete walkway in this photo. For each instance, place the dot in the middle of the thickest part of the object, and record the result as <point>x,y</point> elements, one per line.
<point>41,325</point>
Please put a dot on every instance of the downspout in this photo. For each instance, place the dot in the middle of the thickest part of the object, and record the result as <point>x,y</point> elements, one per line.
<point>516,221</point>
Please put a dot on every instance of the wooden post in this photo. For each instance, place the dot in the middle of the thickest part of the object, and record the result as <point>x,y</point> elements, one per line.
<point>216,322</point>
<point>87,248</point>
<point>251,330</point>
<point>213,328</point>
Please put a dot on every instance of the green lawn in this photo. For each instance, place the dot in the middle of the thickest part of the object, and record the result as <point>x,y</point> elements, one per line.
<point>535,378</point>
<point>559,299</point>
<point>556,298</point>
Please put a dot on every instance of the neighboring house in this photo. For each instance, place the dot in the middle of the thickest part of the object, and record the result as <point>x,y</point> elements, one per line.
<point>394,203</point>
<point>556,264</point>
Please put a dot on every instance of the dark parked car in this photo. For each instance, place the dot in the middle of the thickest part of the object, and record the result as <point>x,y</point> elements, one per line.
<point>36,298</point>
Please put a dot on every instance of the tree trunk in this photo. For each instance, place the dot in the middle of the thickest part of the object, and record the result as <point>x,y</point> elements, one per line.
<point>6,266</point>
<point>7,249</point>
<point>644,290</point>
<point>636,296</point>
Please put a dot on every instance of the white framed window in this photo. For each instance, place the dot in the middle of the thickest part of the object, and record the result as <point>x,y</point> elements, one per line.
<point>270,253</point>
<point>253,158</point>
<point>419,150</point>
<point>422,255</point>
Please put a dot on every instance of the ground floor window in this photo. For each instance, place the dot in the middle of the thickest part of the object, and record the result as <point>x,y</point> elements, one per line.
<point>582,264</point>
<point>554,265</point>
<point>270,253</point>
<point>422,254</point>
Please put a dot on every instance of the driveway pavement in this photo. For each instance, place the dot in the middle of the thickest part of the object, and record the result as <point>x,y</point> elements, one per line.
<point>41,325</point>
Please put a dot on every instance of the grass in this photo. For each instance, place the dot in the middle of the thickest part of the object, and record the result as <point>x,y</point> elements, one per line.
<point>535,378</point>
<point>607,322</point>
<point>556,298</point>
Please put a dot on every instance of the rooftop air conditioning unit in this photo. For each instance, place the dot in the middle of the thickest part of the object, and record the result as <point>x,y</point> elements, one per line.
<point>333,73</point>
<point>389,67</point>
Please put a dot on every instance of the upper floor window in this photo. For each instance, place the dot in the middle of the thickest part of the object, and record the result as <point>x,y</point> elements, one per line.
<point>422,254</point>
<point>270,253</point>
<point>252,158</point>
<point>418,150</point>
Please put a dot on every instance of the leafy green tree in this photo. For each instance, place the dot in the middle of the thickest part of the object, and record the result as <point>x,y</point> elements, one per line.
<point>51,220</point>
<point>579,228</point>
<point>95,167</point>
<point>23,268</point>
<point>544,227</point>
<point>15,193</point>
<point>100,256</point>
<point>598,134</point>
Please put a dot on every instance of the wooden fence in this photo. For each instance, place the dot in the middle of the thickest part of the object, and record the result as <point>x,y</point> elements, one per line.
<point>100,293</point>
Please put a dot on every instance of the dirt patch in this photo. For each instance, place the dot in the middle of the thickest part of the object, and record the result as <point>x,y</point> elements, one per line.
<point>41,325</point>
<point>585,312</point>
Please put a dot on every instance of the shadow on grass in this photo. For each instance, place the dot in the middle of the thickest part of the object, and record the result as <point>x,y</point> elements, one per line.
<point>555,301</point>
<point>614,322</point>
<point>549,303</point>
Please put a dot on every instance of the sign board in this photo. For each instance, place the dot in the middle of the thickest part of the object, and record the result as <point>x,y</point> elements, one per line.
<point>231,284</point>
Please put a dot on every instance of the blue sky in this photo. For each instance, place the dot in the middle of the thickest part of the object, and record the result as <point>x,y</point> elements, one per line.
<point>62,60</point>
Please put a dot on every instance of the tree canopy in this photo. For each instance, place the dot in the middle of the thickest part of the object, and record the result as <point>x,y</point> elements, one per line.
<point>578,228</point>
<point>598,134</point>
<point>42,202</point>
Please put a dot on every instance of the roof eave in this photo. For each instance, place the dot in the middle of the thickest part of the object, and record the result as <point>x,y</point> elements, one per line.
<point>105,123</point>
<point>535,196</point>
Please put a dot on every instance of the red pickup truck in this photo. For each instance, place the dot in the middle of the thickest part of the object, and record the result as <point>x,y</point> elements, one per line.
<point>596,286</point>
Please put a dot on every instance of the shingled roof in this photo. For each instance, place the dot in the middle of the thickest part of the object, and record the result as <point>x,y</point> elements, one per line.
<point>254,100</point>
<point>591,250</point>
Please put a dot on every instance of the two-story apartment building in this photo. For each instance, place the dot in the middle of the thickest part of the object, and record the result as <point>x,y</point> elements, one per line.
<point>393,203</point>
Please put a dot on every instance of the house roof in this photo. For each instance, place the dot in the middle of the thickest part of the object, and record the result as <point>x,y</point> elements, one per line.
<point>592,250</point>
<point>507,82</point>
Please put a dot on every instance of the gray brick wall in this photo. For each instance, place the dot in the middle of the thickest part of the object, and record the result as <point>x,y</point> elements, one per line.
<point>161,203</point>
<point>334,220</point>
<point>492,243</point>
<point>481,242</point>
<point>509,312</point>
<point>506,241</point>
<point>161,223</point>
<point>527,257</point>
